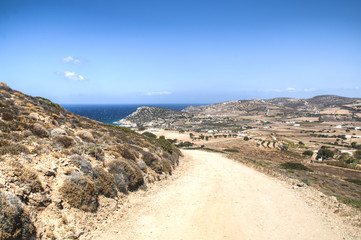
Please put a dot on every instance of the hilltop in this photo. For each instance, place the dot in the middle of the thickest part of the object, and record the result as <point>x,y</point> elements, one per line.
<point>61,174</point>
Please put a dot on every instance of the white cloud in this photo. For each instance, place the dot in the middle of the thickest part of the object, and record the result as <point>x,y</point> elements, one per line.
<point>290,89</point>
<point>73,76</point>
<point>158,93</point>
<point>71,59</point>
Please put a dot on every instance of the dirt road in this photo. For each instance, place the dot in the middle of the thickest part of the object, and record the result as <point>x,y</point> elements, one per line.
<point>217,198</point>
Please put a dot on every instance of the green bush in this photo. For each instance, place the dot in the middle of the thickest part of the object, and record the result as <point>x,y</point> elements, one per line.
<point>50,103</point>
<point>356,181</point>
<point>185,144</point>
<point>149,134</point>
<point>295,166</point>
<point>246,138</point>
<point>231,150</point>
<point>307,153</point>
<point>325,153</point>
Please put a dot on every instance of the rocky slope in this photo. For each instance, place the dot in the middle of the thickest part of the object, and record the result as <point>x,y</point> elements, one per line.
<point>146,115</point>
<point>61,174</point>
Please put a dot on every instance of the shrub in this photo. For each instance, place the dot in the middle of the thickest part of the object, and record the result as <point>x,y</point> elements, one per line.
<point>230,150</point>
<point>325,153</point>
<point>40,131</point>
<point>80,192</point>
<point>295,166</point>
<point>83,164</point>
<point>7,116</point>
<point>152,161</point>
<point>356,181</point>
<point>185,144</point>
<point>246,138</point>
<point>124,151</point>
<point>4,142</point>
<point>105,183</point>
<point>131,170</point>
<point>97,153</point>
<point>167,166</point>
<point>85,135</point>
<point>165,144</point>
<point>50,103</point>
<point>27,178</point>
<point>357,154</point>
<point>15,221</point>
<point>14,149</point>
<point>307,153</point>
<point>64,141</point>
<point>356,203</point>
<point>149,134</point>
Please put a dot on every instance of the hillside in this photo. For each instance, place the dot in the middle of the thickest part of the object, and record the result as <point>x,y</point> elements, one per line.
<point>146,115</point>
<point>62,174</point>
<point>282,106</point>
<point>232,114</point>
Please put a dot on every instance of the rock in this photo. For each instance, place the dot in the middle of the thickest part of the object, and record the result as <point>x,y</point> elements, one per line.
<point>34,116</point>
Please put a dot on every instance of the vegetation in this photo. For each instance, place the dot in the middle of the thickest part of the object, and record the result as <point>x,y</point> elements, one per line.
<point>50,103</point>
<point>185,144</point>
<point>15,221</point>
<point>295,166</point>
<point>356,181</point>
<point>356,203</point>
<point>80,192</point>
<point>325,153</point>
<point>149,134</point>
<point>308,153</point>
<point>230,150</point>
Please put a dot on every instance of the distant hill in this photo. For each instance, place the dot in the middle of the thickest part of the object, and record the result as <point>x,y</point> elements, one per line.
<point>325,107</point>
<point>58,170</point>
<point>281,106</point>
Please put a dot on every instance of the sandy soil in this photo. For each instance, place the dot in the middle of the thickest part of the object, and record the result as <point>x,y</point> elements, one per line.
<point>212,197</point>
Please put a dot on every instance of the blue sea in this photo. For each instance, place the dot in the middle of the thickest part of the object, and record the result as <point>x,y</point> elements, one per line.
<point>111,113</point>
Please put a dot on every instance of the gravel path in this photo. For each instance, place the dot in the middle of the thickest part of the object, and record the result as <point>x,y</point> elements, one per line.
<point>216,198</point>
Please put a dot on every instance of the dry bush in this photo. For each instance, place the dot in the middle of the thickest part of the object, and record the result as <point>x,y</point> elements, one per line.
<point>152,161</point>
<point>64,141</point>
<point>27,178</point>
<point>97,153</point>
<point>167,166</point>
<point>80,192</point>
<point>15,222</point>
<point>105,183</point>
<point>40,131</point>
<point>83,164</point>
<point>85,135</point>
<point>124,151</point>
<point>130,169</point>
<point>8,116</point>
<point>14,149</point>
<point>4,142</point>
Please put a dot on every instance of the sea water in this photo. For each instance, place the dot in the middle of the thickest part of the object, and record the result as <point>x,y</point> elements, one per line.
<point>111,113</point>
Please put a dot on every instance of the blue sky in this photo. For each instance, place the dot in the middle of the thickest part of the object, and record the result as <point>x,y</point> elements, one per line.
<point>84,51</point>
